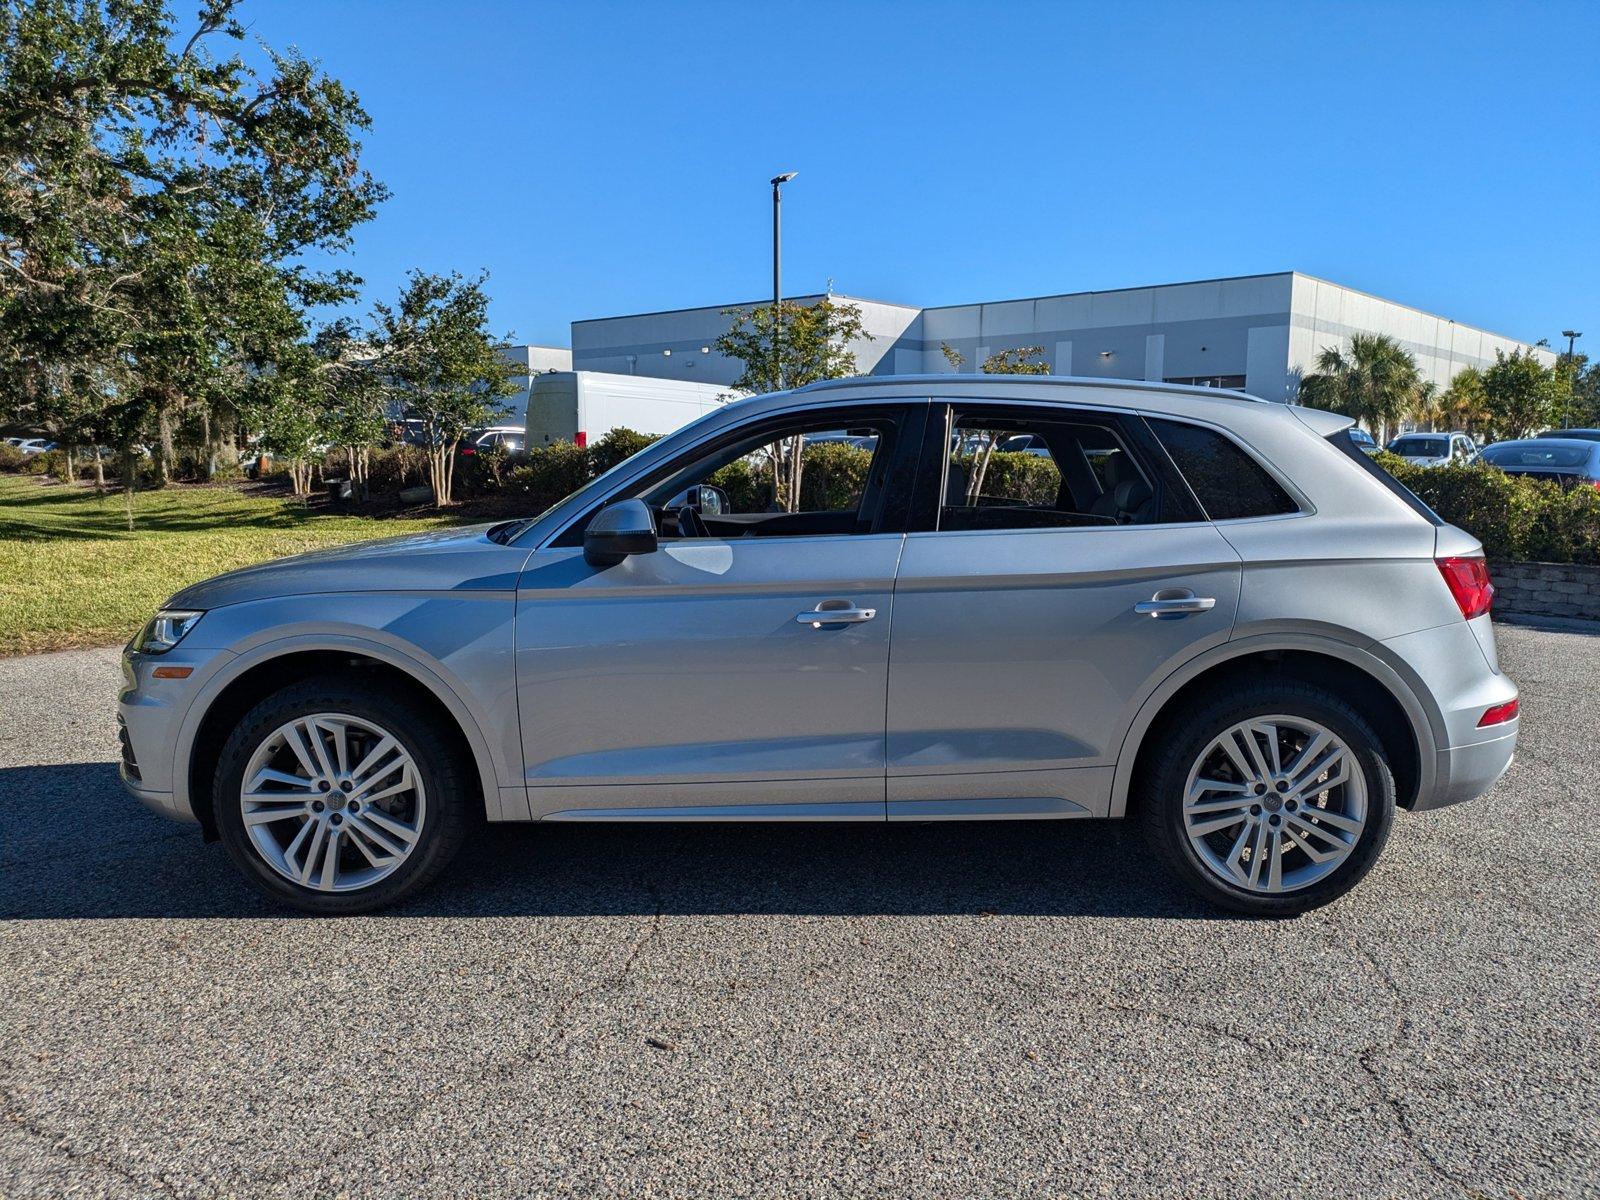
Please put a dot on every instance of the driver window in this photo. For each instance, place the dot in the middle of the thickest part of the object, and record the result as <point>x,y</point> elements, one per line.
<point>1013,470</point>
<point>810,479</point>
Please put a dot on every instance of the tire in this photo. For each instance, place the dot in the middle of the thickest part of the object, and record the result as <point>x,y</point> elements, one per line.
<point>1200,749</point>
<point>386,846</point>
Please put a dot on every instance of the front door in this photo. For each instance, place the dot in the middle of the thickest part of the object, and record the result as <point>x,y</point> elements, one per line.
<point>1061,568</point>
<point>695,682</point>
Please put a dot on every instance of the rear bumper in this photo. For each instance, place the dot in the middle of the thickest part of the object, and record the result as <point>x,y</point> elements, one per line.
<point>1467,772</point>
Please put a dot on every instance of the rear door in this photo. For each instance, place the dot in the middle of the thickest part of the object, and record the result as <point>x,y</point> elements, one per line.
<point>1038,597</point>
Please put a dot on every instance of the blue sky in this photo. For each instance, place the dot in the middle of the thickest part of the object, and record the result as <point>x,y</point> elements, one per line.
<point>600,159</point>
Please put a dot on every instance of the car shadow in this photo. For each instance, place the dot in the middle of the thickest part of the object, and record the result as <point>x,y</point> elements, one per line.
<point>74,845</point>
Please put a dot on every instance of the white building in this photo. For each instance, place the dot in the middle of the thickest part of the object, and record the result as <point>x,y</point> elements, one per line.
<point>1261,333</point>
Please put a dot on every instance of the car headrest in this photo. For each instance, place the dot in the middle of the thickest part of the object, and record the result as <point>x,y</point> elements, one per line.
<point>1131,495</point>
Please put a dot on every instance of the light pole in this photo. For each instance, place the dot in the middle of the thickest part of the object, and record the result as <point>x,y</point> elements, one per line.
<point>1572,335</point>
<point>777,273</point>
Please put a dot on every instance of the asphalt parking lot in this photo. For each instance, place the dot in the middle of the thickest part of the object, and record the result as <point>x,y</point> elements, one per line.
<point>1022,1009</point>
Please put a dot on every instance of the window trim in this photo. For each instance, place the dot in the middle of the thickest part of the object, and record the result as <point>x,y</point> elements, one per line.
<point>1303,504</point>
<point>909,413</point>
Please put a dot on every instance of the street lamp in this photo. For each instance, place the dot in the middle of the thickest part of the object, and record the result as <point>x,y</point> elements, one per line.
<point>777,273</point>
<point>1572,335</point>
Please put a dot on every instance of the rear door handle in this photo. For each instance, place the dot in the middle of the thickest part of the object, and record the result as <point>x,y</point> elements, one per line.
<point>1161,605</point>
<point>836,612</point>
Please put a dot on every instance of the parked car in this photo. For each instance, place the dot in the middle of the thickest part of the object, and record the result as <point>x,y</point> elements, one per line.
<point>36,445</point>
<point>1245,635</point>
<point>1363,440</point>
<point>1567,461</point>
<point>1582,435</point>
<point>1433,449</point>
<point>509,438</point>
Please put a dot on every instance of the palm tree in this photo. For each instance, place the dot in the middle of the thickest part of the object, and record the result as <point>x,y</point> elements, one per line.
<point>1376,381</point>
<point>1464,403</point>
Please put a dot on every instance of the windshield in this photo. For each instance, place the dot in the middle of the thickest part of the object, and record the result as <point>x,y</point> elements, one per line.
<point>1536,454</point>
<point>1421,447</point>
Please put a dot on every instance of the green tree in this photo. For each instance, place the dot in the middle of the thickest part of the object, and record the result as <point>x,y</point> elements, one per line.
<point>1581,378</point>
<point>1376,381</point>
<point>816,344</point>
<point>954,357</point>
<point>435,355</point>
<point>1521,395</point>
<point>1019,360</point>
<point>1464,404</point>
<point>159,206</point>
<point>351,395</point>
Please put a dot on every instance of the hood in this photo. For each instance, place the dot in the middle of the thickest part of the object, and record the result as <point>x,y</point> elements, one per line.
<point>1423,460</point>
<point>464,558</point>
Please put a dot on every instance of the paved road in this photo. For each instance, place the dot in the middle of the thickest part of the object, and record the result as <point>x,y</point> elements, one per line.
<point>936,1011</point>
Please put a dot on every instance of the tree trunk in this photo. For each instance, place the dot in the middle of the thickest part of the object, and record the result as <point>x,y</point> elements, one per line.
<point>796,467</point>
<point>69,462</point>
<point>163,444</point>
<point>975,488</point>
<point>129,476</point>
<point>99,471</point>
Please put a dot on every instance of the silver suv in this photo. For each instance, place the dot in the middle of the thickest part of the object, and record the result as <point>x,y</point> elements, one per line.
<point>1211,613</point>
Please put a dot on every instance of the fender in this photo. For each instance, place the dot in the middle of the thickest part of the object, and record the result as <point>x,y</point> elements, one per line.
<point>1368,656</point>
<point>501,802</point>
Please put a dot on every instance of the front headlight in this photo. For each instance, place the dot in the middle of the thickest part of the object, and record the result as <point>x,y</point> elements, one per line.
<point>165,630</point>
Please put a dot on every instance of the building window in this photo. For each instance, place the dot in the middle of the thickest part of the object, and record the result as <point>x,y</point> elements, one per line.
<point>1235,382</point>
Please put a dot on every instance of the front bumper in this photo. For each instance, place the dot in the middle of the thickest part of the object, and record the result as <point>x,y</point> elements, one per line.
<point>150,714</point>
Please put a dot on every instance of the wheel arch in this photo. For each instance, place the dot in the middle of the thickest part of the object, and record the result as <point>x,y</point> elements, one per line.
<point>232,692</point>
<point>1400,718</point>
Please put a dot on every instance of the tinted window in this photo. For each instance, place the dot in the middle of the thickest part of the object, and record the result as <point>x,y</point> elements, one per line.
<point>1228,483</point>
<point>1536,454</point>
<point>1421,447</point>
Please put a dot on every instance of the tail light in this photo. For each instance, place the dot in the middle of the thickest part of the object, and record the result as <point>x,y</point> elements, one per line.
<point>468,449</point>
<point>581,440</point>
<point>1499,714</point>
<point>1468,581</point>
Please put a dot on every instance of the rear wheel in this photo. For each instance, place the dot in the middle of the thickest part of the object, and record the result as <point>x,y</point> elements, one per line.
<point>1272,801</point>
<point>338,798</point>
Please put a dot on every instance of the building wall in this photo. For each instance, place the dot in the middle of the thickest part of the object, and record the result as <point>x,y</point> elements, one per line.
<point>636,345</point>
<point>1325,314</point>
<point>1261,332</point>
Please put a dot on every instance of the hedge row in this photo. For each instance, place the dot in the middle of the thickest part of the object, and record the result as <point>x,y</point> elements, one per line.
<point>1515,517</point>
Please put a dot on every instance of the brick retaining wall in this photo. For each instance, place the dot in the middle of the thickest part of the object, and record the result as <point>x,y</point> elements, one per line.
<point>1546,589</point>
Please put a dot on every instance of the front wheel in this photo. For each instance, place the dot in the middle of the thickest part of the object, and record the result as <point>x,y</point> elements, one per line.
<point>338,798</point>
<point>1273,801</point>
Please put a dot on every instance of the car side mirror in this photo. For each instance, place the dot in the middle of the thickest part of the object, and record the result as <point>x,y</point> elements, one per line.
<point>618,530</point>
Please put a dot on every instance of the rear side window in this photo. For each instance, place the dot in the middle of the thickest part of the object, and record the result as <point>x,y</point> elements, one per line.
<point>1228,483</point>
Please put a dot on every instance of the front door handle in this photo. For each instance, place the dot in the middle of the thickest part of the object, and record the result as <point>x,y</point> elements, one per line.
<point>1169,605</point>
<point>836,612</point>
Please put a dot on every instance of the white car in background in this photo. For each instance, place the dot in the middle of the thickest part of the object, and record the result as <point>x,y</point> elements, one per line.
<point>1433,449</point>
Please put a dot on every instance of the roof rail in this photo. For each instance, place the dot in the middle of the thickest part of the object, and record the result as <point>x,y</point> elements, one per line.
<point>945,378</point>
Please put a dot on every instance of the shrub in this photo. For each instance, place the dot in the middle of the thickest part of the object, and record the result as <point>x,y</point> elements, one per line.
<point>390,468</point>
<point>11,459</point>
<point>1029,478</point>
<point>832,476</point>
<point>1515,517</point>
<point>550,474</point>
<point>618,444</point>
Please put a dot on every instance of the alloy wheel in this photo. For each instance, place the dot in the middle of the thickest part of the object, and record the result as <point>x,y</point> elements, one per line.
<point>1274,804</point>
<point>333,802</point>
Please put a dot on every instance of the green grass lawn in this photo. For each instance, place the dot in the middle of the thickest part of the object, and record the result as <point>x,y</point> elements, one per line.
<point>71,574</point>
